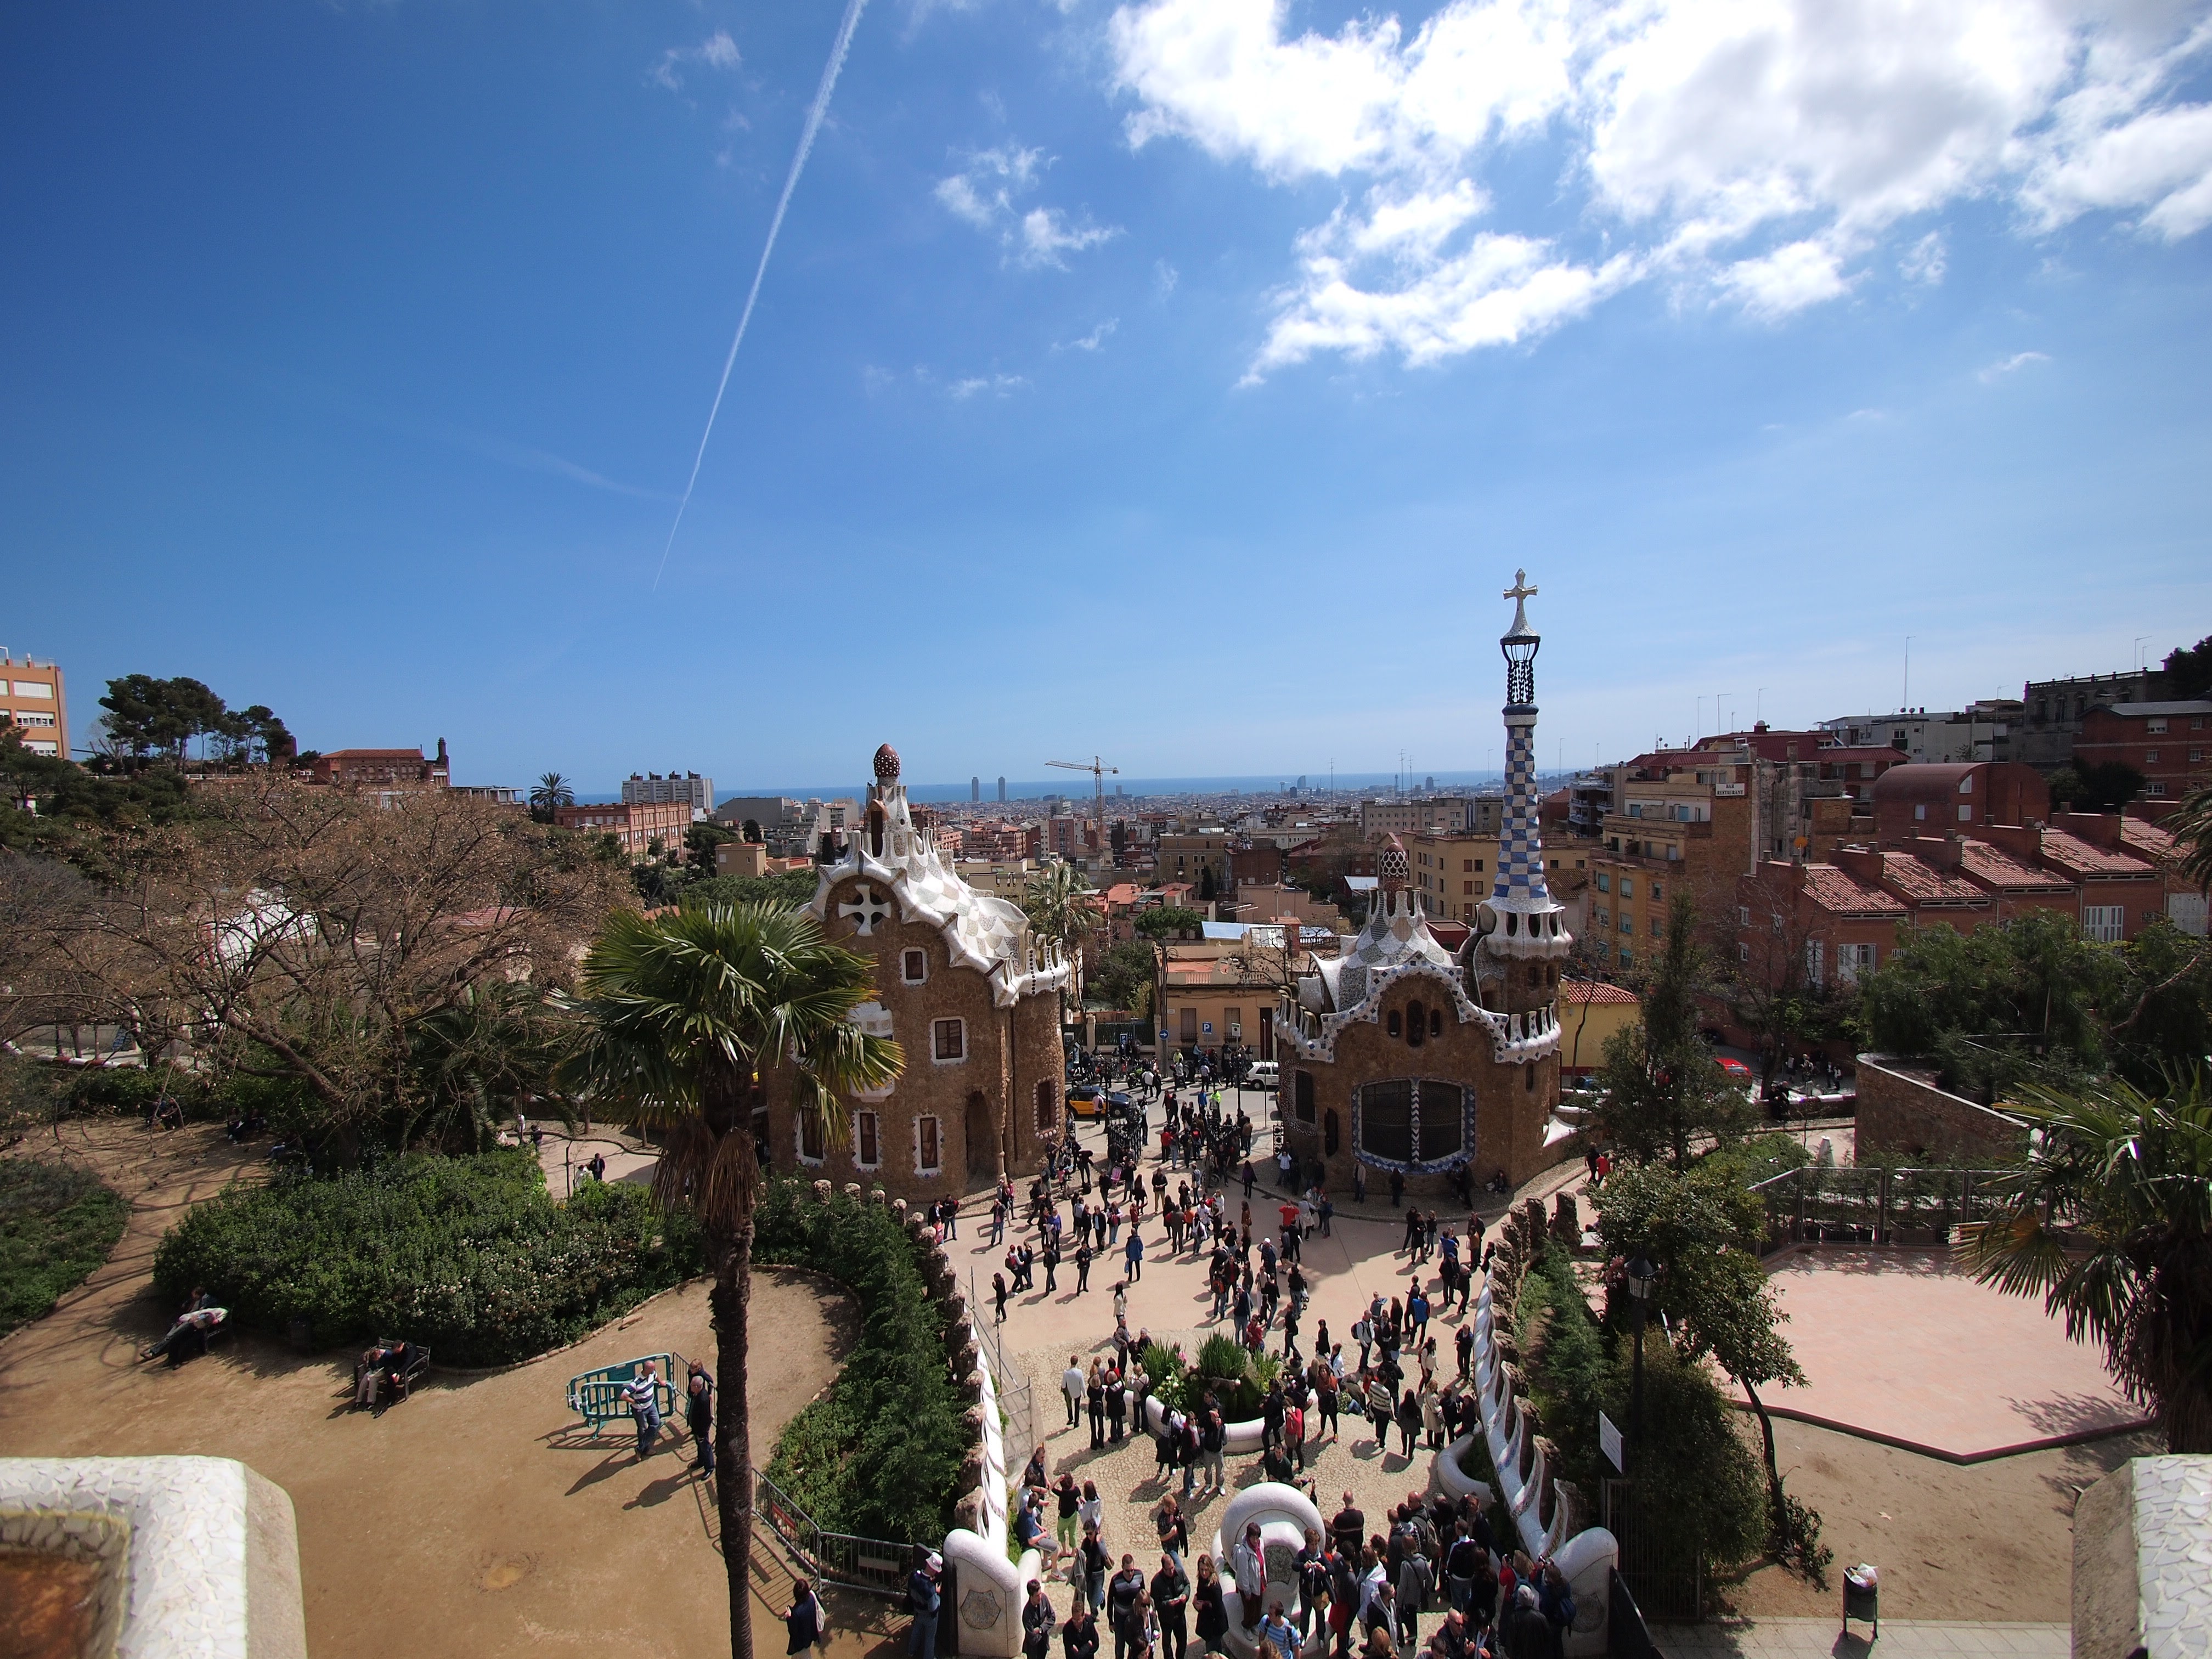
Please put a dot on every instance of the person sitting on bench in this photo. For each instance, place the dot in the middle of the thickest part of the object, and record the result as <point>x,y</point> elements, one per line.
<point>193,1326</point>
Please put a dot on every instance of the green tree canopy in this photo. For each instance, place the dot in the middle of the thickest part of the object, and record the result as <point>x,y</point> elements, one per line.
<point>1170,921</point>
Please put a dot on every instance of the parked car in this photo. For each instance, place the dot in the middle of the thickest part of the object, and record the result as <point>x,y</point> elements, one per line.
<point>1263,1074</point>
<point>1088,1101</point>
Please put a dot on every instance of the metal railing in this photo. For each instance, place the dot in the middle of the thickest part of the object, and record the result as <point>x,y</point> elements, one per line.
<point>835,1558</point>
<point>1814,1206</point>
<point>1008,1376</point>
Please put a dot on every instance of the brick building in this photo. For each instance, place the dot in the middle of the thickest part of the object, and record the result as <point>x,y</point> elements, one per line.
<point>382,768</point>
<point>972,999</point>
<point>1406,1055</point>
<point>2169,742</point>
<point>1928,800</point>
<point>1813,924</point>
<point>635,825</point>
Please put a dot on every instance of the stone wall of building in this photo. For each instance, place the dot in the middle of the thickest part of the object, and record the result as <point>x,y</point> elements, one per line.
<point>970,1108</point>
<point>1902,1112</point>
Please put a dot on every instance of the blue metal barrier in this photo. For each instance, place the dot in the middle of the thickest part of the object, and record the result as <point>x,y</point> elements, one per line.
<point>596,1396</point>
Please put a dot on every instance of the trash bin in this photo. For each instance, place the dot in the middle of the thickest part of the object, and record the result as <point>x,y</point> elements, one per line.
<point>1863,1598</point>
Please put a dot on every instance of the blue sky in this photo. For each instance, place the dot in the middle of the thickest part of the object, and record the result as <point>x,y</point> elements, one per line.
<point>1180,381</point>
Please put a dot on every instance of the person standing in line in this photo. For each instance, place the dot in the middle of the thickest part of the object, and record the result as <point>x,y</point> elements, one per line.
<point>1083,1257</point>
<point>1051,1263</point>
<point>1095,1563</point>
<point>922,1601</point>
<point>1174,1529</point>
<point>998,1295</point>
<point>1125,1590</point>
<point>1092,1511</point>
<point>1213,1436</point>
<point>1133,1254</point>
<point>1072,1387</point>
<point>1121,1302</point>
<point>1094,1395</point>
<point>1117,1408</point>
<point>699,1413</point>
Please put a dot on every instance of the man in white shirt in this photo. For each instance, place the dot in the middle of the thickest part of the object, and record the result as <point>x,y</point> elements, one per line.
<point>1072,1383</point>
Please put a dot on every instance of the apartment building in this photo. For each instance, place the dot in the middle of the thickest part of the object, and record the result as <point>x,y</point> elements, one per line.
<point>1450,874</point>
<point>1980,731</point>
<point>2169,742</point>
<point>2054,711</point>
<point>1188,856</point>
<point>651,788</point>
<point>635,825</point>
<point>34,699</point>
<point>1432,815</point>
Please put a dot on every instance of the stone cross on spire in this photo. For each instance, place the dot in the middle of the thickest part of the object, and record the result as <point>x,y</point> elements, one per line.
<point>1520,593</point>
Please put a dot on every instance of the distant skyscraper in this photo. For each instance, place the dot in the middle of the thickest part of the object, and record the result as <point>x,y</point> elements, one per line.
<point>974,789</point>
<point>1002,787</point>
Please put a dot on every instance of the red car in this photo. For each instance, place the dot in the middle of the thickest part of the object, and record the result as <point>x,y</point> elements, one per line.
<point>1735,1069</point>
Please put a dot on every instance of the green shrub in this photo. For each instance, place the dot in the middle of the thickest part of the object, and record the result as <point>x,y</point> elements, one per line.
<point>468,1254</point>
<point>56,1224</point>
<point>880,1455</point>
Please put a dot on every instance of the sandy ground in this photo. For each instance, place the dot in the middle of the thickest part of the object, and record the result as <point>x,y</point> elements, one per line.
<point>1989,1541</point>
<point>471,1519</point>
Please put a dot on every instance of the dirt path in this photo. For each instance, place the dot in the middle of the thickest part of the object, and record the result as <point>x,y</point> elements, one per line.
<point>471,1519</point>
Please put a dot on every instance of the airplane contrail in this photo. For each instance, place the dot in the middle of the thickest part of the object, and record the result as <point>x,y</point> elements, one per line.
<point>837,50</point>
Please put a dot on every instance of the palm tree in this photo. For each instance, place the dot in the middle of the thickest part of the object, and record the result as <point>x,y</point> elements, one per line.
<point>2192,825</point>
<point>2106,1217</point>
<point>1055,902</point>
<point>681,1016</point>
<point>552,791</point>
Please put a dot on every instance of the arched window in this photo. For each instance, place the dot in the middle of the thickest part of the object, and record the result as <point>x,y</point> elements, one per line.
<point>1435,1022</point>
<point>1417,1024</point>
<point>1392,1022</point>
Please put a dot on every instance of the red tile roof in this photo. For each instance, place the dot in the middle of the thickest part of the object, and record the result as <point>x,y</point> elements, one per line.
<point>1594,991</point>
<point>1923,883</point>
<point>2082,858</point>
<point>1986,864</point>
<point>2149,841</point>
<point>1840,893</point>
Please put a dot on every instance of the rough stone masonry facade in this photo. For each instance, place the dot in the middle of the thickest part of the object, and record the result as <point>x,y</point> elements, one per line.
<point>973,1004</point>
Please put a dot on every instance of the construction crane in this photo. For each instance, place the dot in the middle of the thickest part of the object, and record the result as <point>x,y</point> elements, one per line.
<point>1098,769</point>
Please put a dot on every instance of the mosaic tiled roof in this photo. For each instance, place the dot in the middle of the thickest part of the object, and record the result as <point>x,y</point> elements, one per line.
<point>980,931</point>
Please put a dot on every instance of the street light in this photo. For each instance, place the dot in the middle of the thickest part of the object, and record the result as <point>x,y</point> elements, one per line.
<point>1639,1274</point>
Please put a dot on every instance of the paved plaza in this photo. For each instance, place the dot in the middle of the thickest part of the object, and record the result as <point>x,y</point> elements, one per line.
<point>1904,1346</point>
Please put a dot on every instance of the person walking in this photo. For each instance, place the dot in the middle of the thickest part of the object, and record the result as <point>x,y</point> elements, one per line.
<point>1213,1436</point>
<point>1051,1263</point>
<point>1122,1593</point>
<point>1171,1599</point>
<point>1381,1409</point>
<point>1133,1254</point>
<point>1174,1529</point>
<point>1083,1258</point>
<point>699,1388</point>
<point>922,1601</point>
<point>1121,1302</point>
<point>1212,1616</point>
<point>1409,1422</point>
<point>1071,1388</point>
<point>1038,1620</point>
<point>1094,1394</point>
<point>1095,1563</point>
<point>1067,1524</point>
<point>805,1620</point>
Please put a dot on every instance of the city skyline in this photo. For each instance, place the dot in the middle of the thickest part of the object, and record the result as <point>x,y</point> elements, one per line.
<point>371,349</point>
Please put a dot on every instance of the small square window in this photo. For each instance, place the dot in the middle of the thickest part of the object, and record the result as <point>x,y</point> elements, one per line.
<point>949,1039</point>
<point>2150,757</point>
<point>1966,815</point>
<point>914,966</point>
<point>1627,888</point>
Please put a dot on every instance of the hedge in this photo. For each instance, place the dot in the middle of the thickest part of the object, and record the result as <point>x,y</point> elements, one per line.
<point>468,1254</point>
<point>57,1223</point>
<point>878,1455</point>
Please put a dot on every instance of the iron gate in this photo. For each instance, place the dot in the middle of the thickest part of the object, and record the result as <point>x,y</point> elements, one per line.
<point>1667,1580</point>
<point>1009,1377</point>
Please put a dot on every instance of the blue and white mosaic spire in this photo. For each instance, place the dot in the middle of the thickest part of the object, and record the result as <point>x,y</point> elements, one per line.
<point>1521,908</point>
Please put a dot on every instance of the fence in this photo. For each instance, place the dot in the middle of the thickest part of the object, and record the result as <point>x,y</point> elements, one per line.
<point>1665,1579</point>
<point>1008,1376</point>
<point>836,1558</point>
<point>1815,1205</point>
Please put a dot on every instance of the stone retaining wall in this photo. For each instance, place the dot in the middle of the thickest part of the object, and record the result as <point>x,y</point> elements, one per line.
<point>1903,1112</point>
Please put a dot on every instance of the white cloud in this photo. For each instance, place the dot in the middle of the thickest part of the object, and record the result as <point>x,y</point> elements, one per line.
<point>998,385</point>
<point>1759,150</point>
<point>717,51</point>
<point>1164,277</point>
<point>1097,337</point>
<point>983,194</point>
<point>2003,367</point>
<point>1925,261</point>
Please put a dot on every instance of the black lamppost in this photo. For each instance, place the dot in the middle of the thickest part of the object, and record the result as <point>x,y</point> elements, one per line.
<point>1639,1274</point>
